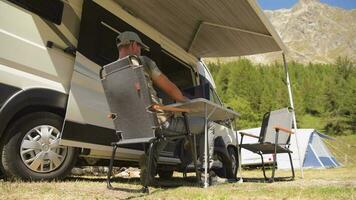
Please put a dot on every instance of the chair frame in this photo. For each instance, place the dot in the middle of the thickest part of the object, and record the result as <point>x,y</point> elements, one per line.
<point>153,141</point>
<point>276,147</point>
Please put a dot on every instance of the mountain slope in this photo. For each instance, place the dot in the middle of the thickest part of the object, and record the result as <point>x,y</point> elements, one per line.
<point>313,32</point>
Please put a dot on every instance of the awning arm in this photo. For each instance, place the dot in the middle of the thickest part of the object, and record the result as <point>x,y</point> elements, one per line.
<point>238,29</point>
<point>194,37</point>
<point>224,27</point>
<point>293,112</point>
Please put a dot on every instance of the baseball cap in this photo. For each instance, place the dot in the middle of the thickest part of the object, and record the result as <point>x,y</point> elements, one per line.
<point>128,36</point>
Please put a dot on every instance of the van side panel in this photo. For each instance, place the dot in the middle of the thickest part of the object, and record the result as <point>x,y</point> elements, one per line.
<point>32,75</point>
<point>86,114</point>
<point>25,61</point>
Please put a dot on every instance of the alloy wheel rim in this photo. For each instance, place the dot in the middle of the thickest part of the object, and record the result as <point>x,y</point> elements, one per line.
<point>40,150</point>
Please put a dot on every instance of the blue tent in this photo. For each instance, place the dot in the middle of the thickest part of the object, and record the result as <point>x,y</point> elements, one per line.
<point>317,154</point>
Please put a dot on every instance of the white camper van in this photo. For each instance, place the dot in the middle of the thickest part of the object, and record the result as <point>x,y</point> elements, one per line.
<point>53,111</point>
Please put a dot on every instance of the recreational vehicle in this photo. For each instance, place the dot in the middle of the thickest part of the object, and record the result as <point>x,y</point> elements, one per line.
<point>53,111</point>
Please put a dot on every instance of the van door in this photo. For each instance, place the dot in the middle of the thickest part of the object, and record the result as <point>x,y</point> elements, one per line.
<point>86,124</point>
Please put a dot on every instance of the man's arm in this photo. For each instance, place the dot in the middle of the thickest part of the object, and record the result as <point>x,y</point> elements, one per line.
<point>163,83</point>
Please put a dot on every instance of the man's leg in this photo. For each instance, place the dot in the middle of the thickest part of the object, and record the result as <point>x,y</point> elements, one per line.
<point>212,177</point>
<point>196,125</point>
<point>145,176</point>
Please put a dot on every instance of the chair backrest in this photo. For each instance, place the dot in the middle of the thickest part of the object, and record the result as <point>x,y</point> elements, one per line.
<point>128,97</point>
<point>282,117</point>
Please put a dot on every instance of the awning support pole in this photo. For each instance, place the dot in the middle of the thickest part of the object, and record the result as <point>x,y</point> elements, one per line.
<point>293,112</point>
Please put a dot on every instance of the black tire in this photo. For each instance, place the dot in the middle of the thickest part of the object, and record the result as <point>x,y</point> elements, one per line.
<point>234,162</point>
<point>165,174</point>
<point>222,171</point>
<point>1,174</point>
<point>230,164</point>
<point>12,162</point>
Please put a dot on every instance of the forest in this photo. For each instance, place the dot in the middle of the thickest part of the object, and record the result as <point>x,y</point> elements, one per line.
<point>324,94</point>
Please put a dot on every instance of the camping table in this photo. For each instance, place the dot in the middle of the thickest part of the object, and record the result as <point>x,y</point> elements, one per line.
<point>211,112</point>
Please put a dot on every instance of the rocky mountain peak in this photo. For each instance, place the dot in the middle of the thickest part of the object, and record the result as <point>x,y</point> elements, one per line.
<point>305,4</point>
<point>309,1</point>
<point>314,32</point>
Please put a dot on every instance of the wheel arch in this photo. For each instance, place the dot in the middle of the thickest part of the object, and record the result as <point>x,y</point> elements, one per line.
<point>31,100</point>
<point>221,147</point>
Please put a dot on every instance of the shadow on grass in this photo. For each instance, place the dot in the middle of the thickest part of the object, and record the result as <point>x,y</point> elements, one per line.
<point>174,182</point>
<point>169,183</point>
<point>159,183</point>
<point>263,180</point>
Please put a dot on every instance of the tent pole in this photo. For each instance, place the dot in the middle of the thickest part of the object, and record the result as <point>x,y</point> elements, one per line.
<point>292,105</point>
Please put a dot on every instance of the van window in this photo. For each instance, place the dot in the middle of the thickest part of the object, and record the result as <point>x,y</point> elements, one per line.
<point>176,70</point>
<point>212,95</point>
<point>51,10</point>
<point>106,50</point>
<point>98,31</point>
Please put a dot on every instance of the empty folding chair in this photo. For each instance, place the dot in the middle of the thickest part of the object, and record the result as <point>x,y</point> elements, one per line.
<point>274,138</point>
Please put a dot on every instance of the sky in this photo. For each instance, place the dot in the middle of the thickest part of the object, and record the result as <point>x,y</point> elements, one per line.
<point>277,4</point>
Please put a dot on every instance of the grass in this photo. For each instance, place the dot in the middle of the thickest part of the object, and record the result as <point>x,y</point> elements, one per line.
<point>318,184</point>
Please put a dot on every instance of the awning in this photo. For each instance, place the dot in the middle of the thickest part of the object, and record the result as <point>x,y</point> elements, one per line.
<point>209,28</point>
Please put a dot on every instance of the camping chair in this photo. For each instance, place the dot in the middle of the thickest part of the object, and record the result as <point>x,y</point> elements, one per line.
<point>133,112</point>
<point>274,138</point>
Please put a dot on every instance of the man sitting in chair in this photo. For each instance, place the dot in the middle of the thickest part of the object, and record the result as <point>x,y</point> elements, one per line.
<point>129,43</point>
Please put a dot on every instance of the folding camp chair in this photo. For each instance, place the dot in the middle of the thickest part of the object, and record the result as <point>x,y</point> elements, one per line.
<point>274,138</point>
<point>133,112</point>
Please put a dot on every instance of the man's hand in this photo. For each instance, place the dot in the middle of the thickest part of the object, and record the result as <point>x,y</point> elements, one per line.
<point>163,83</point>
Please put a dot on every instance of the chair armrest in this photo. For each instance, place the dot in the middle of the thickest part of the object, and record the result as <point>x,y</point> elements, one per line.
<point>250,135</point>
<point>280,128</point>
<point>169,108</point>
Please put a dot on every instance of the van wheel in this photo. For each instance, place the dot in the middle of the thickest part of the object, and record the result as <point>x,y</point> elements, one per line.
<point>31,149</point>
<point>234,162</point>
<point>229,164</point>
<point>165,174</point>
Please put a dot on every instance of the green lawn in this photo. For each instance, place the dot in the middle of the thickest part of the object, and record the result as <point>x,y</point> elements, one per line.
<point>339,183</point>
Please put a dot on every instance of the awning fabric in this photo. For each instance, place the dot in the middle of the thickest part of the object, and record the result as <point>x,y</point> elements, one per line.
<point>209,28</point>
